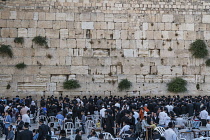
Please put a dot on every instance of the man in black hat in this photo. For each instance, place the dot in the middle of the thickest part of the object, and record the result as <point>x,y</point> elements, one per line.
<point>26,134</point>
<point>43,130</point>
<point>109,123</point>
<point>63,135</point>
<point>78,135</point>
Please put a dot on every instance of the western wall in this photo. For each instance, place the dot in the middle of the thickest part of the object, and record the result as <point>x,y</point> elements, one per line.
<point>100,42</point>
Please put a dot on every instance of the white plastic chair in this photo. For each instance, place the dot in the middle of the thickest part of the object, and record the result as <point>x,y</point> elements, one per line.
<point>107,136</point>
<point>161,130</point>
<point>43,118</point>
<point>89,124</point>
<point>69,127</point>
<point>77,123</point>
<point>60,123</point>
<point>125,135</point>
<point>117,139</point>
<point>51,118</point>
<point>54,138</point>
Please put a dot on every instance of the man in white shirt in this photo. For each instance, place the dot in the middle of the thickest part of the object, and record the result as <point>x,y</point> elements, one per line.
<point>162,117</point>
<point>126,127</point>
<point>117,104</point>
<point>135,115</point>
<point>180,122</point>
<point>203,115</point>
<point>102,114</point>
<point>169,134</point>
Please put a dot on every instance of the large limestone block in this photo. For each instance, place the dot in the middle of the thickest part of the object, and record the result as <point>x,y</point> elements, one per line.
<point>42,78</point>
<point>60,16</point>
<point>3,23</point>
<point>206,19</point>
<point>70,17</point>
<point>164,70</point>
<point>13,15</point>
<point>22,32</point>
<point>31,86</point>
<point>99,70</point>
<point>85,17</point>
<point>50,33</point>
<point>166,53</point>
<point>167,18</point>
<point>31,32</point>
<point>58,78</point>
<point>98,78</point>
<point>153,78</point>
<point>76,61</point>
<point>87,25</point>
<point>5,32</point>
<point>64,33</point>
<point>132,70</point>
<point>80,43</point>
<point>79,69</point>
<point>207,35</point>
<point>130,53</point>
<point>100,53</point>
<point>45,24</point>
<point>50,16</point>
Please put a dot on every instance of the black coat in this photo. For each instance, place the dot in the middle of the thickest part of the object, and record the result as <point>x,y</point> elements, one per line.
<point>78,137</point>
<point>26,135</point>
<point>43,132</point>
<point>118,118</point>
<point>110,124</point>
<point>190,109</point>
<point>155,120</point>
<point>63,138</point>
<point>20,125</point>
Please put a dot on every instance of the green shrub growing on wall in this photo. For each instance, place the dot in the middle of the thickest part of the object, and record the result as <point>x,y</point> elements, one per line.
<point>21,66</point>
<point>177,85</point>
<point>71,84</point>
<point>19,40</point>
<point>8,86</point>
<point>124,84</point>
<point>6,50</point>
<point>40,40</point>
<point>208,62</point>
<point>198,49</point>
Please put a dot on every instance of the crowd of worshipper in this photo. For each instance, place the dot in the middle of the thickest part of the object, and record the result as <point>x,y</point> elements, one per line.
<point>124,117</point>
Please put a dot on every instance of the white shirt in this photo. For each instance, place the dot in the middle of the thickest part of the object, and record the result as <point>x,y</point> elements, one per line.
<point>125,128</point>
<point>167,120</point>
<point>169,134</point>
<point>5,109</point>
<point>25,118</point>
<point>102,112</point>
<point>171,108</point>
<point>203,114</point>
<point>136,116</point>
<point>180,121</point>
<point>208,126</point>
<point>162,117</point>
<point>117,105</point>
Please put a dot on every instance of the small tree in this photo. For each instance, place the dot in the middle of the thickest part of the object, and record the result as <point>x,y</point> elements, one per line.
<point>40,40</point>
<point>21,66</point>
<point>71,84</point>
<point>19,40</point>
<point>208,62</point>
<point>124,84</point>
<point>6,50</point>
<point>198,49</point>
<point>177,85</point>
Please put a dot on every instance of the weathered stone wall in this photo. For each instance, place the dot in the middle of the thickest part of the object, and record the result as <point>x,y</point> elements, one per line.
<point>100,42</point>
